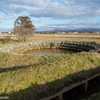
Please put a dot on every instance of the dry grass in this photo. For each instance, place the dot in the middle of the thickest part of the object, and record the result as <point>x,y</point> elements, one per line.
<point>60,37</point>
<point>21,75</point>
<point>31,78</point>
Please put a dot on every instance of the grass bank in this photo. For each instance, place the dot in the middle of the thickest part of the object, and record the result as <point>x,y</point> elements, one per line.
<point>32,78</point>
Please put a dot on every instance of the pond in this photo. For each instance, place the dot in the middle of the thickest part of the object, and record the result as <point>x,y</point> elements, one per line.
<point>48,52</point>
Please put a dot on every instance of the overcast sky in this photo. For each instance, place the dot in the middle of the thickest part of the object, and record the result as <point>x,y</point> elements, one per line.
<point>51,14</point>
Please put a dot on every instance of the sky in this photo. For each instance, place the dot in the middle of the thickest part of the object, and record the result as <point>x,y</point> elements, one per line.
<point>48,15</point>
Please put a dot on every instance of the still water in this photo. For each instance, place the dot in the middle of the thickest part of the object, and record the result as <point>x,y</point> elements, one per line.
<point>48,52</point>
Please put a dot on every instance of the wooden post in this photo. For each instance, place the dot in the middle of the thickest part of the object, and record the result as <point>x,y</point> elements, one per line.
<point>86,85</point>
<point>61,96</point>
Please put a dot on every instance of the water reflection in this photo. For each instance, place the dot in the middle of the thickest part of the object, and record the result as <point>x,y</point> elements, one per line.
<point>48,52</point>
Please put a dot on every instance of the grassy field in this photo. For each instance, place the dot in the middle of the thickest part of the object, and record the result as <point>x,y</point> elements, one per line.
<point>31,78</point>
<point>59,37</point>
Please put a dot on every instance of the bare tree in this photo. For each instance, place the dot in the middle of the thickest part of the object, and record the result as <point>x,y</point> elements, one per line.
<point>56,30</point>
<point>23,27</point>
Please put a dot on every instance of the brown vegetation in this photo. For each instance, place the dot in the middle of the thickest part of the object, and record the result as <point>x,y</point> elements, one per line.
<point>31,78</point>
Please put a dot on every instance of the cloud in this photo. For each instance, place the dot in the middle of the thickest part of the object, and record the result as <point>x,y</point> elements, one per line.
<point>82,2</point>
<point>59,11</point>
<point>56,10</point>
<point>4,17</point>
<point>80,13</point>
<point>38,20</point>
<point>16,8</point>
<point>25,2</point>
<point>73,24</point>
